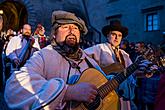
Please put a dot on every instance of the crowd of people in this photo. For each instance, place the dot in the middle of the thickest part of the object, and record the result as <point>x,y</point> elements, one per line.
<point>146,87</point>
<point>65,71</point>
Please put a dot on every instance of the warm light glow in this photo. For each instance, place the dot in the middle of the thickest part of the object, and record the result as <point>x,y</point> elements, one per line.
<point>1,11</point>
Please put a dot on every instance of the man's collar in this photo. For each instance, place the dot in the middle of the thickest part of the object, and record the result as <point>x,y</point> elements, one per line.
<point>113,47</point>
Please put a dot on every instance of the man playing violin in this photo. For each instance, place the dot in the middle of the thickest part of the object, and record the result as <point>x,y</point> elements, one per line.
<point>17,45</point>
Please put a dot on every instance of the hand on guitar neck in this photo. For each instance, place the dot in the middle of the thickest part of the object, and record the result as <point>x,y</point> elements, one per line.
<point>144,66</point>
<point>147,69</point>
<point>143,72</point>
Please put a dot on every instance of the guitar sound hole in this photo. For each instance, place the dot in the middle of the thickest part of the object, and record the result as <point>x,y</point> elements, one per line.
<point>94,105</point>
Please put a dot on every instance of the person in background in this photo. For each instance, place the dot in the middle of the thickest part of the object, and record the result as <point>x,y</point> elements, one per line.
<point>132,51</point>
<point>40,36</point>
<point>17,44</point>
<point>147,87</point>
<point>10,33</point>
<point>6,61</point>
<point>2,42</point>
<point>160,100</point>
<point>107,54</point>
<point>125,45</point>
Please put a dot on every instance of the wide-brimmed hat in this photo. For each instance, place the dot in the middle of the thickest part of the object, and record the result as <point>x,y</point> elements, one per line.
<point>64,17</point>
<point>115,25</point>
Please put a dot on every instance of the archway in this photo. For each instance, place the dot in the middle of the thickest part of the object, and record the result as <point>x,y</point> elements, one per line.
<point>14,15</point>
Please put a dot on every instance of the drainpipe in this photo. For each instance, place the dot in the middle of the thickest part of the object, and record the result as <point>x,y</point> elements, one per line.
<point>88,20</point>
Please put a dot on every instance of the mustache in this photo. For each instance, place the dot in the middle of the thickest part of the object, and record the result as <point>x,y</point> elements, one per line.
<point>71,35</point>
<point>26,33</point>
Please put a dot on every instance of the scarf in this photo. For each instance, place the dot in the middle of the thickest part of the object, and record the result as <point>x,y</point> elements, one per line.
<point>65,52</point>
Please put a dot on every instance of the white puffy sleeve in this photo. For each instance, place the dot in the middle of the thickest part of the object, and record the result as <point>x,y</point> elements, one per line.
<point>29,88</point>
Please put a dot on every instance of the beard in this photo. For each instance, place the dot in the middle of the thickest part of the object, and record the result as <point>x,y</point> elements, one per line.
<point>26,36</point>
<point>70,49</point>
<point>70,45</point>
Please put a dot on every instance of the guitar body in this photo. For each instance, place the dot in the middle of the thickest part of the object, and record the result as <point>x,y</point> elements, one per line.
<point>105,87</point>
<point>93,76</point>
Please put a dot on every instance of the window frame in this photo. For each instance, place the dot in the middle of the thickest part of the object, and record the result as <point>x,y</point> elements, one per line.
<point>152,20</point>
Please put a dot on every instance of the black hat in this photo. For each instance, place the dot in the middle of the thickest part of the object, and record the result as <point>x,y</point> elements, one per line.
<point>115,25</point>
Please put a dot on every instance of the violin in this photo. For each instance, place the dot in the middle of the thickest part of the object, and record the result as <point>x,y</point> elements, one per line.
<point>25,54</point>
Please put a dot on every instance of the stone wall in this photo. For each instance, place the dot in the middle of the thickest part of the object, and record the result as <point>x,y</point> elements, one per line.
<point>96,13</point>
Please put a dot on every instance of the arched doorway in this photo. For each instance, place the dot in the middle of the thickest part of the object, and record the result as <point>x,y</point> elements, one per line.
<point>14,15</point>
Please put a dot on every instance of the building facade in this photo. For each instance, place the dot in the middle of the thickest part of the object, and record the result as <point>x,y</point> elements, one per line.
<point>144,18</point>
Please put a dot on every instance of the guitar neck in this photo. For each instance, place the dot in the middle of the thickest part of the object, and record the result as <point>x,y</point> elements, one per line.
<point>116,81</point>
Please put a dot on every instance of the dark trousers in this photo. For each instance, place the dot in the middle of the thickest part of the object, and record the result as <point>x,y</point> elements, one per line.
<point>145,106</point>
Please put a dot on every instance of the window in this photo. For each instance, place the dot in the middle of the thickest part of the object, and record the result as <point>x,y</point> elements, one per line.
<point>152,18</point>
<point>151,22</point>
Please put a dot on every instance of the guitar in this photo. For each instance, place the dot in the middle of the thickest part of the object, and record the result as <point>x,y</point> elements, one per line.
<point>113,68</point>
<point>105,88</point>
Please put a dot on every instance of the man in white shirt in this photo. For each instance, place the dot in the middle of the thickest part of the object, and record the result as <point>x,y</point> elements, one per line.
<point>17,45</point>
<point>108,54</point>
